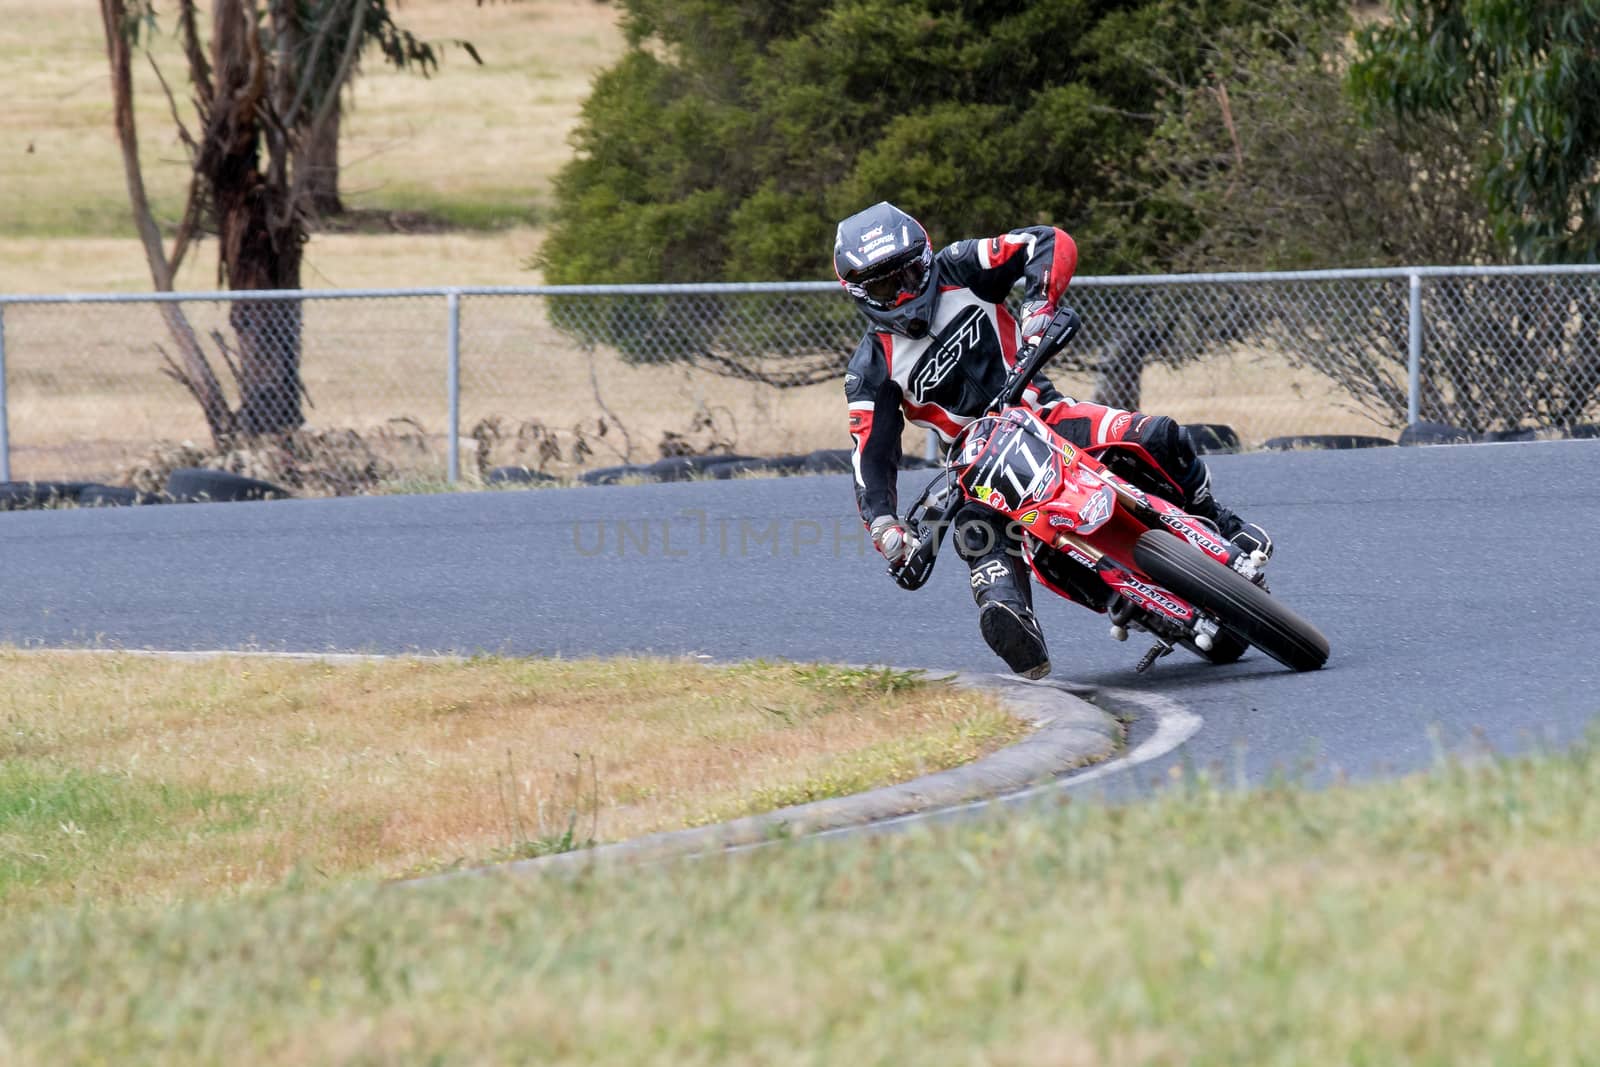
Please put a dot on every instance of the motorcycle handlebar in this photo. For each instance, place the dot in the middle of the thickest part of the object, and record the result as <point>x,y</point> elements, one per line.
<point>1063,327</point>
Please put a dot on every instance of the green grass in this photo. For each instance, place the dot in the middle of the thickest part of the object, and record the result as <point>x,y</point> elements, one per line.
<point>56,821</point>
<point>477,210</point>
<point>1443,919</point>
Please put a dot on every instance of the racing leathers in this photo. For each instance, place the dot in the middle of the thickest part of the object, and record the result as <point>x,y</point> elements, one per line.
<point>943,381</point>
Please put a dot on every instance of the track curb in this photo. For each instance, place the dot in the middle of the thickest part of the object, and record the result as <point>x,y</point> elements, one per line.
<point>1069,733</point>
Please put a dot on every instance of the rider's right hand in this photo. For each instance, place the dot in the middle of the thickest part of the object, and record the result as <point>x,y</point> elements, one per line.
<point>891,539</point>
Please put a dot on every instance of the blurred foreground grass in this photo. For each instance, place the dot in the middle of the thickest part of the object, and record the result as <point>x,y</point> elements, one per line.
<point>1444,919</point>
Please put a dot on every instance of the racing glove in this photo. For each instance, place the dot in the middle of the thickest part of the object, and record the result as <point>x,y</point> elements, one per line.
<point>890,538</point>
<point>1036,315</point>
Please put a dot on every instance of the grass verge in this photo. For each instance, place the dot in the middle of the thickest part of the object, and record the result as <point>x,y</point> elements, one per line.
<point>126,778</point>
<point>1446,918</point>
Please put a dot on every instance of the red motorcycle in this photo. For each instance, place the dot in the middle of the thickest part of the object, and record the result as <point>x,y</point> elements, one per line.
<point>1094,528</point>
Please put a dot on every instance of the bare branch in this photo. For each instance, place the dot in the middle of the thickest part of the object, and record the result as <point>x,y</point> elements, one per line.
<point>191,219</point>
<point>303,90</point>
<point>114,18</point>
<point>594,383</point>
<point>172,106</point>
<point>199,70</point>
<point>330,100</point>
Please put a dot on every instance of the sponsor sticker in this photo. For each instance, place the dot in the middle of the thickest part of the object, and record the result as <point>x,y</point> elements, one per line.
<point>1195,537</point>
<point>1095,510</point>
<point>1156,596</point>
<point>1079,557</point>
<point>1028,518</point>
<point>989,573</point>
<point>962,336</point>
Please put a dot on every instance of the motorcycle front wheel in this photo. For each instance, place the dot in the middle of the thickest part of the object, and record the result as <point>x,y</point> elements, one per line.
<point>1241,605</point>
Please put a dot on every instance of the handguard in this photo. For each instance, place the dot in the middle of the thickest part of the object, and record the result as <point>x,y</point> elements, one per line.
<point>926,520</point>
<point>915,570</point>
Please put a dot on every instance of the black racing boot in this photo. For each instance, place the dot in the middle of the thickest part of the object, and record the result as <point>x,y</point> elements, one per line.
<point>1011,630</point>
<point>1000,586</point>
<point>1247,535</point>
<point>1250,536</point>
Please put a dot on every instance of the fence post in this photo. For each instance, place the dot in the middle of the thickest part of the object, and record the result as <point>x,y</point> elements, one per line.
<point>5,429</point>
<point>1414,357</point>
<point>453,386</point>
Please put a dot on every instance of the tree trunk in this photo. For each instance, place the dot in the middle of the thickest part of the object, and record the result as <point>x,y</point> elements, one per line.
<point>1118,384</point>
<point>321,163</point>
<point>261,256</point>
<point>260,233</point>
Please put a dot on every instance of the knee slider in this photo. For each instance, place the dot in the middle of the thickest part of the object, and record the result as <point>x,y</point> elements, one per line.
<point>976,538</point>
<point>1169,443</point>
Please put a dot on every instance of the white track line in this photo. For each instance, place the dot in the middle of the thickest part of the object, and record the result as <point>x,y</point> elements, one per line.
<point>1175,724</point>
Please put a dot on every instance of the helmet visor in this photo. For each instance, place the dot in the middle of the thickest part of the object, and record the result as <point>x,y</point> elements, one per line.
<point>892,287</point>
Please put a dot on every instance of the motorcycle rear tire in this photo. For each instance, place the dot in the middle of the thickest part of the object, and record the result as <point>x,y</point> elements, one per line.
<point>1242,606</point>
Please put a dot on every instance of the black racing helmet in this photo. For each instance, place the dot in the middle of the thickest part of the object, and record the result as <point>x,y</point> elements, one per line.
<point>884,258</point>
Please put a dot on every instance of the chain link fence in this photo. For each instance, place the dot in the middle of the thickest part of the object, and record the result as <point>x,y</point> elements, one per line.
<point>341,391</point>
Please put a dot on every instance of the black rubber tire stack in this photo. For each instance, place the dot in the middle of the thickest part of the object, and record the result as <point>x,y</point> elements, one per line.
<point>1297,441</point>
<point>189,485</point>
<point>27,496</point>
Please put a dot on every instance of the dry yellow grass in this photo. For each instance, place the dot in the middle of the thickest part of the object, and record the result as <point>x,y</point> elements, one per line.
<point>132,777</point>
<point>488,136</point>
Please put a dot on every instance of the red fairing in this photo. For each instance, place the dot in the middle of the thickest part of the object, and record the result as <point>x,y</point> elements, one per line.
<point>1015,464</point>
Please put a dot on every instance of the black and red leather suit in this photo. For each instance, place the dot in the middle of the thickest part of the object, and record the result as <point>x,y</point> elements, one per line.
<point>944,380</point>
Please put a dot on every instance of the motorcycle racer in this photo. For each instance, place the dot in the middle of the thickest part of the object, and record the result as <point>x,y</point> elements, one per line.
<point>940,344</point>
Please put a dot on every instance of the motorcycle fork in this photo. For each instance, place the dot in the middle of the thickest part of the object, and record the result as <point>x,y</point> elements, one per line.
<point>1124,609</point>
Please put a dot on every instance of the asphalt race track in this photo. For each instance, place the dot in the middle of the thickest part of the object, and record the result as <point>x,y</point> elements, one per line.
<point>1457,585</point>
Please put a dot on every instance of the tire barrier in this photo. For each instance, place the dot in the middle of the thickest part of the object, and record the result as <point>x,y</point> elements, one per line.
<point>1438,433</point>
<point>192,485</point>
<point>768,467</point>
<point>1325,440</point>
<point>199,484</point>
<point>828,461</point>
<point>519,476</point>
<point>26,496</point>
<point>113,496</point>
<point>1213,438</point>
<point>689,468</point>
